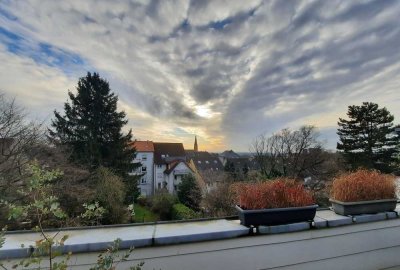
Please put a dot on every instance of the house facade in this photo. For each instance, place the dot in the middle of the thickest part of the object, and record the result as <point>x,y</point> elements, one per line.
<point>170,165</point>
<point>162,166</point>
<point>145,156</point>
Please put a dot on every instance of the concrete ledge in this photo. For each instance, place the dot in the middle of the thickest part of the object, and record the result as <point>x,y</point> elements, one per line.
<point>167,234</point>
<point>369,217</point>
<point>334,219</point>
<point>319,223</point>
<point>294,227</point>
<point>391,215</point>
<point>95,239</point>
<point>397,210</point>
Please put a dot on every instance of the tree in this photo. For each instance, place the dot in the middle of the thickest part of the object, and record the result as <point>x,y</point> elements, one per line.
<point>189,192</point>
<point>367,139</point>
<point>294,154</point>
<point>18,138</point>
<point>92,127</point>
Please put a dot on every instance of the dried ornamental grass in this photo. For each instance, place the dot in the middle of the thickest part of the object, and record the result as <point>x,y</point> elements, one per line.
<point>280,193</point>
<point>363,185</point>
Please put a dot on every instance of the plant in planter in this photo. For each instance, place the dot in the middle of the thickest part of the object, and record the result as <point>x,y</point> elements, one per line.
<point>363,192</point>
<point>274,202</point>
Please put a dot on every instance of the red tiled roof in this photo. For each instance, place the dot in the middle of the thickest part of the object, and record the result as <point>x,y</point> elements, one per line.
<point>143,146</point>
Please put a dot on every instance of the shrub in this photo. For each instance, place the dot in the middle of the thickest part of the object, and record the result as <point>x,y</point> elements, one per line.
<point>363,185</point>
<point>218,202</point>
<point>110,193</point>
<point>279,193</point>
<point>181,211</point>
<point>162,203</point>
<point>142,200</point>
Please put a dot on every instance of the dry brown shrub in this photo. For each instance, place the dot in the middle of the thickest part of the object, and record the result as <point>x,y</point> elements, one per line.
<point>363,185</point>
<point>279,193</point>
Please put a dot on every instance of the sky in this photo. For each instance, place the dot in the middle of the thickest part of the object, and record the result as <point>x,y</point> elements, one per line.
<point>226,71</point>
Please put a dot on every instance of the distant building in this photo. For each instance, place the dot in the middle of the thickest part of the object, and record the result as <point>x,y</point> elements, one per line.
<point>206,167</point>
<point>205,161</point>
<point>229,154</point>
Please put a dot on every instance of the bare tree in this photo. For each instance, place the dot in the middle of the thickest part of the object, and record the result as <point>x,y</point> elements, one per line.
<point>17,137</point>
<point>218,200</point>
<point>288,153</point>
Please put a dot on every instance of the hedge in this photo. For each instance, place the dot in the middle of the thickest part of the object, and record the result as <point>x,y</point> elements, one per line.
<point>181,211</point>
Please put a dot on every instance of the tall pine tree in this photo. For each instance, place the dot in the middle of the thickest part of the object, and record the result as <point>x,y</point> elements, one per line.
<point>367,139</point>
<point>92,127</point>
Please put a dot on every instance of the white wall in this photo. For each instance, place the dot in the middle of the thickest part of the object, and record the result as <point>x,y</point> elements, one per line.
<point>159,176</point>
<point>180,170</point>
<point>146,182</point>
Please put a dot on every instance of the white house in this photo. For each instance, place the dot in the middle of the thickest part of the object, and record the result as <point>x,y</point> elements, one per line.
<point>144,155</point>
<point>169,166</point>
<point>162,166</point>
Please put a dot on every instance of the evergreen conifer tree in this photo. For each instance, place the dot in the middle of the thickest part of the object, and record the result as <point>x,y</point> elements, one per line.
<point>92,127</point>
<point>189,192</point>
<point>368,139</point>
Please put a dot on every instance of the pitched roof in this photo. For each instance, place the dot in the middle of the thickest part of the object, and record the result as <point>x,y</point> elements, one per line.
<point>169,151</point>
<point>229,154</point>
<point>175,163</point>
<point>143,146</point>
<point>205,161</point>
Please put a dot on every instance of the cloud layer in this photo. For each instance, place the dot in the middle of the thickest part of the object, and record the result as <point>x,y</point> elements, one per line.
<point>224,70</point>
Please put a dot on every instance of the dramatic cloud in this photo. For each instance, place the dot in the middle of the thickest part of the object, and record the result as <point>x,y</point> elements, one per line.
<point>224,70</point>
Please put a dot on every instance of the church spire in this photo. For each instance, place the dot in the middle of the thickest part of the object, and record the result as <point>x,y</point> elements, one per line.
<point>196,148</point>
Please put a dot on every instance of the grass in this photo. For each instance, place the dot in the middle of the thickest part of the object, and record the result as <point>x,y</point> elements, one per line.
<point>363,185</point>
<point>143,214</point>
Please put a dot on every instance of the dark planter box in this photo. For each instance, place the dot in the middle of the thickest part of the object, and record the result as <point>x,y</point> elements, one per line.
<point>276,216</point>
<point>363,207</point>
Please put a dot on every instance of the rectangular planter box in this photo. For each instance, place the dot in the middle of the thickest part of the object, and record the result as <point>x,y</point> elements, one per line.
<point>276,216</point>
<point>363,207</point>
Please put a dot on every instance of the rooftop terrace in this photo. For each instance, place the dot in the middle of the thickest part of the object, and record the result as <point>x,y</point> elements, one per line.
<point>330,242</point>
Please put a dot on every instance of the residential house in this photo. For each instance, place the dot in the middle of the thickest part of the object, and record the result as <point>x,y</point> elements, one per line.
<point>145,156</point>
<point>207,166</point>
<point>170,165</point>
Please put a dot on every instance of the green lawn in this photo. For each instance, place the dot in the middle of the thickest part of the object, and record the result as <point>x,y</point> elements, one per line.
<point>143,214</point>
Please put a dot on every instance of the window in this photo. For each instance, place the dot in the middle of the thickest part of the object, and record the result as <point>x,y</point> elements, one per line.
<point>215,161</point>
<point>144,169</point>
<point>143,180</point>
<point>207,161</point>
<point>159,185</point>
<point>175,187</point>
<point>176,177</point>
<point>144,157</point>
<point>199,161</point>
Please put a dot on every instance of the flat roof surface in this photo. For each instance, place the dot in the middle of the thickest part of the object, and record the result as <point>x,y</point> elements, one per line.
<point>92,239</point>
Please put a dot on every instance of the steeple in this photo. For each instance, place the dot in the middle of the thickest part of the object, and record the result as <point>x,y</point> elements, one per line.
<point>195,144</point>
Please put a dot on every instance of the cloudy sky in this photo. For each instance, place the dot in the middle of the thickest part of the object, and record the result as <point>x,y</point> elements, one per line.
<point>224,70</point>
